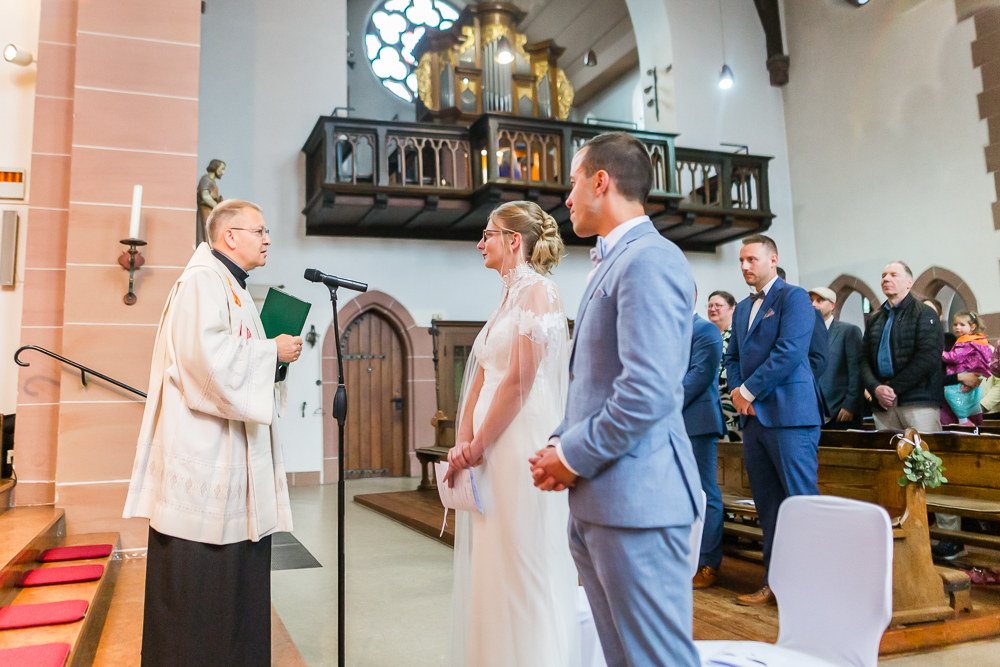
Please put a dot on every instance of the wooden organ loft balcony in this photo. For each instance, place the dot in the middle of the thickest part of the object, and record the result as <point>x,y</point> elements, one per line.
<point>427,181</point>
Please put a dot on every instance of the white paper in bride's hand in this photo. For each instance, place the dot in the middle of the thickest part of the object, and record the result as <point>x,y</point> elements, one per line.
<point>463,496</point>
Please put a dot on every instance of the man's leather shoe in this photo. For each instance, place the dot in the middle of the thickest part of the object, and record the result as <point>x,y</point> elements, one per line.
<point>706,577</point>
<point>763,597</point>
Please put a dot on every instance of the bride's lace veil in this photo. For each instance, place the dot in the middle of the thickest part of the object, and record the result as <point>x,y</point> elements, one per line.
<point>534,387</point>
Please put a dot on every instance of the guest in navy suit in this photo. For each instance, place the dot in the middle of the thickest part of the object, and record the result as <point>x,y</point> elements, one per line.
<point>705,425</point>
<point>774,388</point>
<point>819,345</point>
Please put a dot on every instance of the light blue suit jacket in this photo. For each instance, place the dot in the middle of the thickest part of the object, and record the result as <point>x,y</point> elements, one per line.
<point>623,431</point>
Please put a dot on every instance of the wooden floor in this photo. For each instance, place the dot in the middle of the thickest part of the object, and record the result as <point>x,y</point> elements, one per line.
<point>121,640</point>
<point>420,510</point>
<point>716,616</point>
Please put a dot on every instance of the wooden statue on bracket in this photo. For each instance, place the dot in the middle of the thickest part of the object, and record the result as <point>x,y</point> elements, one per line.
<point>208,196</point>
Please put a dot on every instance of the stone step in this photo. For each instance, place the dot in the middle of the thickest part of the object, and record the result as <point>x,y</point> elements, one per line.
<point>84,635</point>
<point>24,533</point>
<point>6,494</point>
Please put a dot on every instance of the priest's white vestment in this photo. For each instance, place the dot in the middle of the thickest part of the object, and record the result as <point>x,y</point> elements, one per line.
<point>208,465</point>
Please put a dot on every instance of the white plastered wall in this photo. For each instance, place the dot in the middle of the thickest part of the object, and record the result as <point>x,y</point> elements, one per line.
<point>886,145</point>
<point>688,35</point>
<point>19,26</point>
<point>268,73</point>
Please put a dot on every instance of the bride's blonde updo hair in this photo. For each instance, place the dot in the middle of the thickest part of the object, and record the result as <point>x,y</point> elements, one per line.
<point>543,247</point>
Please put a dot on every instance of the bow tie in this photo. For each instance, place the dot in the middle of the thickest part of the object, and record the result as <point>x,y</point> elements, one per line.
<point>598,252</point>
<point>757,296</point>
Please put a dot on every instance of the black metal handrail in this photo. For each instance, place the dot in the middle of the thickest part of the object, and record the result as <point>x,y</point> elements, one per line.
<point>83,369</point>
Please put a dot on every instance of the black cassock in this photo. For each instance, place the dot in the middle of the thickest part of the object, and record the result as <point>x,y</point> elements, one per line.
<point>207,604</point>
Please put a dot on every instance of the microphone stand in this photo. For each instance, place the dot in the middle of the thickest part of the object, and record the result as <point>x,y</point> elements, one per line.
<point>340,414</point>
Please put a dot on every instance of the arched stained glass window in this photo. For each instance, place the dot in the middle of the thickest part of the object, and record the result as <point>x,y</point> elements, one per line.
<point>394,29</point>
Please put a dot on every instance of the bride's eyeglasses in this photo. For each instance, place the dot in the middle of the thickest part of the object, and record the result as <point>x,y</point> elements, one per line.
<point>490,233</point>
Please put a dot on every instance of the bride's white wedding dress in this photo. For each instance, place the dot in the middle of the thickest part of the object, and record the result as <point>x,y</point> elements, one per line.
<point>514,598</point>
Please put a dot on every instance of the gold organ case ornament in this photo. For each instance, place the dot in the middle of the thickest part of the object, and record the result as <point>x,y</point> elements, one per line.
<point>424,87</point>
<point>456,86</point>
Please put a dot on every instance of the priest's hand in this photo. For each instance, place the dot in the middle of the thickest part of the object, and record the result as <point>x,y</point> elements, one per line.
<point>289,348</point>
<point>548,471</point>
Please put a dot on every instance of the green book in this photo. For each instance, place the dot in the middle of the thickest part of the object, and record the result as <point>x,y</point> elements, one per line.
<point>283,314</point>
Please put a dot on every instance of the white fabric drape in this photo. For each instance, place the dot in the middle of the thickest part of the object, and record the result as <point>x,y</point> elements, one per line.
<point>514,598</point>
<point>208,466</point>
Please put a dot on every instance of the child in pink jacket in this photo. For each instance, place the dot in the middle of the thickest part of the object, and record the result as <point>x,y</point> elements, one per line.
<point>970,354</point>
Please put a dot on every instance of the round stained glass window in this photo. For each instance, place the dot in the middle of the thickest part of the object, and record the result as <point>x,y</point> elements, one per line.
<point>393,31</point>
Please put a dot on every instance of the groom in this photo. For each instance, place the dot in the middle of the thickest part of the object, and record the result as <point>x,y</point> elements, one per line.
<point>622,445</point>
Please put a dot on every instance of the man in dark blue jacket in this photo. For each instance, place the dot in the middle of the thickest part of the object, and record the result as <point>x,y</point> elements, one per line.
<point>774,388</point>
<point>841,383</point>
<point>705,425</point>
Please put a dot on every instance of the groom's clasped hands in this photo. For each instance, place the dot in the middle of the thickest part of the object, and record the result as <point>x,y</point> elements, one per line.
<point>548,471</point>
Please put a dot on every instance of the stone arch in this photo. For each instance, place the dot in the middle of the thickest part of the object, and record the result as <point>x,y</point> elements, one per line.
<point>930,282</point>
<point>419,393</point>
<point>845,284</point>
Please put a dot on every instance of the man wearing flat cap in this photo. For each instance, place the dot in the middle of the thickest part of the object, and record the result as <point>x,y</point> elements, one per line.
<point>841,382</point>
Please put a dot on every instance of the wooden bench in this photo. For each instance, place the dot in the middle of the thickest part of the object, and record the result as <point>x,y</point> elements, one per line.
<point>870,473</point>
<point>444,439</point>
<point>972,466</point>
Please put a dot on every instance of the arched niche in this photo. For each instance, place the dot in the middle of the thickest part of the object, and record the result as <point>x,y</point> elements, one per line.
<point>845,287</point>
<point>655,45</point>
<point>935,281</point>
<point>419,399</point>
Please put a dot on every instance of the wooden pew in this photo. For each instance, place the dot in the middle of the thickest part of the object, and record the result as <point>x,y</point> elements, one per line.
<point>866,466</point>
<point>972,466</point>
<point>444,439</point>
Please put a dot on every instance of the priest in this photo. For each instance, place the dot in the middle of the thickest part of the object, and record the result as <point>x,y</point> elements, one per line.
<point>208,470</point>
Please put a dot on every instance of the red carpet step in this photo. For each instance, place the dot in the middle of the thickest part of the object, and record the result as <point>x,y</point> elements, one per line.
<point>49,613</point>
<point>62,575</point>
<point>42,655</point>
<point>82,552</point>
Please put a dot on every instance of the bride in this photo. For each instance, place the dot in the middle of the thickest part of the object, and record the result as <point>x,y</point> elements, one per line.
<point>515,582</point>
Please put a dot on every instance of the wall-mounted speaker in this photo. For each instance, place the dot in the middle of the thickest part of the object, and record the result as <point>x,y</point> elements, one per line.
<point>8,249</point>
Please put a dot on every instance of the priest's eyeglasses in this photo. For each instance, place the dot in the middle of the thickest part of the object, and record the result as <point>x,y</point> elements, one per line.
<point>260,231</point>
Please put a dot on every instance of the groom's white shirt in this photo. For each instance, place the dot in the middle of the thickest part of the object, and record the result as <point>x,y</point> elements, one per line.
<point>610,240</point>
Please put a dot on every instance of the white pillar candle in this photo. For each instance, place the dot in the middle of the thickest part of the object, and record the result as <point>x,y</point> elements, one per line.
<point>133,227</point>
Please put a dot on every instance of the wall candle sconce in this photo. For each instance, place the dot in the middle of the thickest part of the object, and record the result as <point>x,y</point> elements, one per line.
<point>131,259</point>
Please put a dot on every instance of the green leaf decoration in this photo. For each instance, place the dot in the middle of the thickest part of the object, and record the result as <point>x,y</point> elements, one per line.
<point>923,468</point>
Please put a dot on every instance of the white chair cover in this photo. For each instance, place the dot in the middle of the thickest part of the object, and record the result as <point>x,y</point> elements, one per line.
<point>831,572</point>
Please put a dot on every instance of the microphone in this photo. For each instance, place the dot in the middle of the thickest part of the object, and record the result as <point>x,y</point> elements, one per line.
<point>317,276</point>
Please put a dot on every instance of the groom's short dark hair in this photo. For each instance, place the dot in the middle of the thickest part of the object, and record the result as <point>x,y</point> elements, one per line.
<point>626,160</point>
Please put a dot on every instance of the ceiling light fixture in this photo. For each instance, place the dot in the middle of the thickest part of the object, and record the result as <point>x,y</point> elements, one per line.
<point>505,54</point>
<point>726,79</point>
<point>12,54</point>
<point>857,3</point>
<point>590,59</point>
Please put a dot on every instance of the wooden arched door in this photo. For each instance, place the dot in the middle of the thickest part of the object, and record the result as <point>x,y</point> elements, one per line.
<point>374,435</point>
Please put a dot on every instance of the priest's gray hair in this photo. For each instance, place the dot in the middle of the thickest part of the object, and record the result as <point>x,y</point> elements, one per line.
<point>221,217</point>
